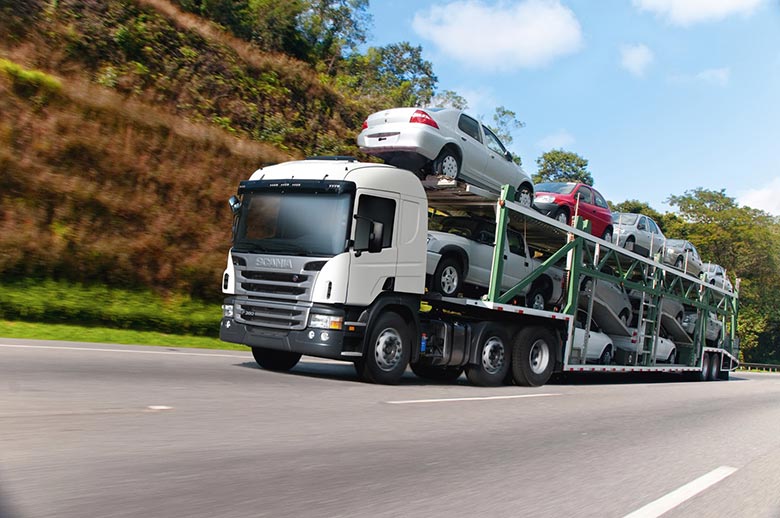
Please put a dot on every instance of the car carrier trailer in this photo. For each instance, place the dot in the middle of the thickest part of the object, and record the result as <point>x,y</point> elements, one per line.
<point>329,260</point>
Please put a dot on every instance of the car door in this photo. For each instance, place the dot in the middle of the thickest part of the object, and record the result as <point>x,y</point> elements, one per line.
<point>643,235</point>
<point>500,169</point>
<point>517,266</point>
<point>481,255</point>
<point>693,264</point>
<point>585,207</point>
<point>601,213</point>
<point>474,160</point>
<point>657,237</point>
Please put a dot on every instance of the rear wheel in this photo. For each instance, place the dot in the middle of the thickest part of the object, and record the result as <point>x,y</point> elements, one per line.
<point>430,372</point>
<point>536,298</point>
<point>606,356</point>
<point>448,277</point>
<point>607,235</point>
<point>273,360</point>
<point>630,244</point>
<point>493,362</point>
<point>447,164</point>
<point>625,317</point>
<point>704,373</point>
<point>714,367</point>
<point>524,195</point>
<point>678,263</point>
<point>387,350</point>
<point>533,357</point>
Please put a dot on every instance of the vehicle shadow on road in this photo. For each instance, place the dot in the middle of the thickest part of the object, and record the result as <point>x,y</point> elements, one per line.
<point>633,378</point>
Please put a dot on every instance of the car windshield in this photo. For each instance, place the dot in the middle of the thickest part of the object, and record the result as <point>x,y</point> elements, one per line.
<point>308,224</point>
<point>555,187</point>
<point>625,218</point>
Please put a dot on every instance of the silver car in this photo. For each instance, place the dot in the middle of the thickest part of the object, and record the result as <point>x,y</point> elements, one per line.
<point>683,255</point>
<point>460,253</point>
<point>713,329</point>
<point>715,274</point>
<point>665,349</point>
<point>611,295</point>
<point>638,233</point>
<point>444,141</point>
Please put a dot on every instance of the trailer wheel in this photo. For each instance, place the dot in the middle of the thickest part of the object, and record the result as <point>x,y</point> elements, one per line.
<point>714,367</point>
<point>704,373</point>
<point>387,350</point>
<point>432,373</point>
<point>272,360</point>
<point>533,356</point>
<point>448,277</point>
<point>494,360</point>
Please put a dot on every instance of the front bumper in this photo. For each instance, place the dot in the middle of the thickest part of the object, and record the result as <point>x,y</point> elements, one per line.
<point>548,209</point>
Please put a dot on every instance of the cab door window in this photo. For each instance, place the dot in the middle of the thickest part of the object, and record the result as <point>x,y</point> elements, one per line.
<point>379,209</point>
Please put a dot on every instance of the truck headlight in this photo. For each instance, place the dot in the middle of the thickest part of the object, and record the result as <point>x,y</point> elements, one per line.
<point>326,321</point>
<point>227,310</point>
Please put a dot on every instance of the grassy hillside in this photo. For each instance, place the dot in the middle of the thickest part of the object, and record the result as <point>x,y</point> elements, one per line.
<point>125,127</point>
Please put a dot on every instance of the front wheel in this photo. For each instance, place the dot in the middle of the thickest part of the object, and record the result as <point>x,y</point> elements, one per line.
<point>561,216</point>
<point>272,360</point>
<point>493,363</point>
<point>536,298</point>
<point>533,356</point>
<point>607,235</point>
<point>448,277</point>
<point>524,195</point>
<point>606,357</point>
<point>387,350</point>
<point>446,164</point>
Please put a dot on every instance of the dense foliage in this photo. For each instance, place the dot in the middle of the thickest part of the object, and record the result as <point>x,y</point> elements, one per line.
<point>562,166</point>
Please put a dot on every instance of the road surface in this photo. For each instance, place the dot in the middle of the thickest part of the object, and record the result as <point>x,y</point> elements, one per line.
<point>93,430</point>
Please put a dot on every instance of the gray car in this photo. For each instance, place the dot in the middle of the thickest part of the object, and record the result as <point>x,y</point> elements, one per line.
<point>460,253</point>
<point>683,255</point>
<point>715,274</point>
<point>444,141</point>
<point>637,233</point>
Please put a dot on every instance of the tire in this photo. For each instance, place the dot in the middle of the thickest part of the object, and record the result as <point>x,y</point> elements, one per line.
<point>630,244</point>
<point>387,350</point>
<point>679,263</point>
<point>607,235</point>
<point>536,298</point>
<point>715,360</point>
<point>448,277</point>
<point>606,357</point>
<point>524,195</point>
<point>272,360</point>
<point>493,360</point>
<point>447,164</point>
<point>533,356</point>
<point>444,374</point>
<point>625,317</point>
<point>704,373</point>
<point>561,216</point>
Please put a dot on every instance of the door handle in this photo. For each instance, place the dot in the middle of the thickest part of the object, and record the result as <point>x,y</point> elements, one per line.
<point>463,139</point>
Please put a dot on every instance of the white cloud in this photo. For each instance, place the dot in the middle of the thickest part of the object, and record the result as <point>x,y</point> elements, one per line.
<point>713,76</point>
<point>689,12</point>
<point>559,139</point>
<point>636,58</point>
<point>501,36</point>
<point>766,198</point>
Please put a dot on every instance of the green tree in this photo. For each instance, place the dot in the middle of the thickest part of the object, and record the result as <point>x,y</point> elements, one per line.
<point>331,27</point>
<point>562,166</point>
<point>449,99</point>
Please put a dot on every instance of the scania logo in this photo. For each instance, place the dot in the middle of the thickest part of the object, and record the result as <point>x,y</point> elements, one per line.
<point>273,262</point>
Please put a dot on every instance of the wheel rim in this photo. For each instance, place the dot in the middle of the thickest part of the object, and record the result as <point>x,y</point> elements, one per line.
<point>523,198</point>
<point>630,245</point>
<point>539,356</point>
<point>561,217</point>
<point>493,355</point>
<point>449,280</point>
<point>537,302</point>
<point>388,349</point>
<point>607,237</point>
<point>606,358</point>
<point>449,166</point>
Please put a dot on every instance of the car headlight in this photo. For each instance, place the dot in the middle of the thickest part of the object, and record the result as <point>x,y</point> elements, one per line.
<point>227,311</point>
<point>430,238</point>
<point>326,321</point>
<point>545,198</point>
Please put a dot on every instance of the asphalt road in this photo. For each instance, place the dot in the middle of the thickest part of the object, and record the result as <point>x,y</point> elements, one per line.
<point>90,430</point>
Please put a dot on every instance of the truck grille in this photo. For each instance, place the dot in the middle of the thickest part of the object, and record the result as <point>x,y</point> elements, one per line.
<point>278,297</point>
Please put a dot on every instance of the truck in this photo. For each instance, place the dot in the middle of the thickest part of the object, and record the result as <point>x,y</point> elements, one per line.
<point>330,259</point>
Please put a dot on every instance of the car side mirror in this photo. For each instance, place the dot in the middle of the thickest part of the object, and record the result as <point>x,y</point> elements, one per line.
<point>235,204</point>
<point>369,235</point>
<point>508,156</point>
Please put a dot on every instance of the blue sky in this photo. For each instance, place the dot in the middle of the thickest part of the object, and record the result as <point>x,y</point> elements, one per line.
<point>661,96</point>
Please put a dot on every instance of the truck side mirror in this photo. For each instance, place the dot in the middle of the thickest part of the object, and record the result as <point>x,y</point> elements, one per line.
<point>235,204</point>
<point>369,235</point>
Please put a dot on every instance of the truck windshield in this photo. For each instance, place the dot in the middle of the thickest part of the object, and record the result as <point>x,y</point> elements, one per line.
<point>290,223</point>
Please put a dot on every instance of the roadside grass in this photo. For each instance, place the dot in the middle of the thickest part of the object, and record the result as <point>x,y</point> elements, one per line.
<point>74,333</point>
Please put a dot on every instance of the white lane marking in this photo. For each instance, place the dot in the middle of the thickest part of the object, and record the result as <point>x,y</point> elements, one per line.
<point>180,353</point>
<point>449,400</point>
<point>159,407</point>
<point>681,494</point>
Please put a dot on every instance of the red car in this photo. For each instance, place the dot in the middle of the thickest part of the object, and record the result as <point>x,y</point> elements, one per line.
<point>559,201</point>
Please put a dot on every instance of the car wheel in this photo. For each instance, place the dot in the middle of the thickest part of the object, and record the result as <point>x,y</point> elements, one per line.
<point>561,216</point>
<point>493,362</point>
<point>629,244</point>
<point>448,277</point>
<point>607,236</point>
<point>533,356</point>
<point>524,196</point>
<point>272,360</point>
<point>679,263</point>
<point>606,357</point>
<point>536,298</point>
<point>447,164</point>
<point>624,317</point>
